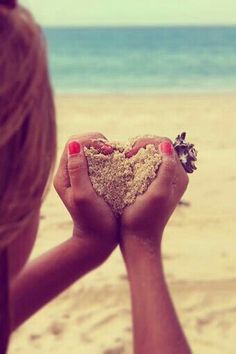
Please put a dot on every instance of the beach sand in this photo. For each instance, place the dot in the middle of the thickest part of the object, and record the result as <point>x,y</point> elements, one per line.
<point>94,316</point>
<point>119,180</point>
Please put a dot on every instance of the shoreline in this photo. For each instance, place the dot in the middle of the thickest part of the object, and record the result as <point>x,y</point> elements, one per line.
<point>145,95</point>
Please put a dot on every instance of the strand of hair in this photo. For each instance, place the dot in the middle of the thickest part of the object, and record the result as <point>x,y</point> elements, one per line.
<point>9,3</point>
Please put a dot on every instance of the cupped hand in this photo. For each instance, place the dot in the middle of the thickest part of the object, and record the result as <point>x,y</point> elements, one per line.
<point>148,216</point>
<point>94,222</point>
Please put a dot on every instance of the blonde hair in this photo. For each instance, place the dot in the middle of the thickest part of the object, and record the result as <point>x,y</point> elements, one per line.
<point>27,121</point>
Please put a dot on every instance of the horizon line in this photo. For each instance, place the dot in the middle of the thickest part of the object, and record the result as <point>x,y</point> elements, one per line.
<point>137,25</point>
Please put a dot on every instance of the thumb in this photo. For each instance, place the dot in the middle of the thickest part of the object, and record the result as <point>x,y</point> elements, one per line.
<point>166,172</point>
<point>162,184</point>
<point>171,175</point>
<point>78,168</point>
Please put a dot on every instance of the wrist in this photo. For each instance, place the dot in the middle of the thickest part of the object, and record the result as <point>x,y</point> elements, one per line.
<point>142,244</point>
<point>92,246</point>
<point>139,252</point>
<point>144,268</point>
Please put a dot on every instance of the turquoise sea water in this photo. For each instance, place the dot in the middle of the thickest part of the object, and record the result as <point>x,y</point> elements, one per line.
<point>143,59</point>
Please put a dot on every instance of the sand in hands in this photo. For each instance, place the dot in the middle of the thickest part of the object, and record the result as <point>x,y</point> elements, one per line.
<point>118,179</point>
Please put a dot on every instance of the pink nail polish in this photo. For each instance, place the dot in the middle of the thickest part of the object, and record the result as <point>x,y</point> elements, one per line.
<point>132,152</point>
<point>74,148</point>
<point>107,149</point>
<point>128,154</point>
<point>166,148</point>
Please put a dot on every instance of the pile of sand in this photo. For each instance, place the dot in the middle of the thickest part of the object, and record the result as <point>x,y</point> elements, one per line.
<point>119,180</point>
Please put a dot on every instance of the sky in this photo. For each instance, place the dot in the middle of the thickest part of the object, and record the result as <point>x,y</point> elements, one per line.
<point>132,12</point>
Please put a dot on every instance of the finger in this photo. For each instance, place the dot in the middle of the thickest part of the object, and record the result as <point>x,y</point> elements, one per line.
<point>84,138</point>
<point>78,171</point>
<point>168,165</point>
<point>62,180</point>
<point>142,143</point>
<point>102,146</point>
<point>171,176</point>
<point>173,166</point>
<point>161,186</point>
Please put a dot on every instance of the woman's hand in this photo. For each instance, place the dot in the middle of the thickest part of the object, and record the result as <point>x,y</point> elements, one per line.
<point>94,222</point>
<point>155,323</point>
<point>147,217</point>
<point>94,236</point>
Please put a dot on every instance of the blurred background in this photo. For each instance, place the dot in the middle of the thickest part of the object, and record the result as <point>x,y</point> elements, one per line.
<point>140,47</point>
<point>128,68</point>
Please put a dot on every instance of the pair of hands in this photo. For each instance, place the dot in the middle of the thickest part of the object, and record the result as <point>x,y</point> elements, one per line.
<point>94,223</point>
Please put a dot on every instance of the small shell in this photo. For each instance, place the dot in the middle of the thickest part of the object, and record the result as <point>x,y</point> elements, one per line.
<point>186,152</point>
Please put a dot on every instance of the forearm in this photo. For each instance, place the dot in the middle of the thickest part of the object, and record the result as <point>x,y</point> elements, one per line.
<point>156,326</point>
<point>47,276</point>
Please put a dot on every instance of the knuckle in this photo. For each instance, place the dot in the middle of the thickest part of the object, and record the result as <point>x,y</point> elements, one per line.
<point>97,135</point>
<point>73,165</point>
<point>160,197</point>
<point>158,140</point>
<point>92,136</point>
<point>85,139</point>
<point>78,197</point>
<point>141,142</point>
<point>83,197</point>
<point>170,166</point>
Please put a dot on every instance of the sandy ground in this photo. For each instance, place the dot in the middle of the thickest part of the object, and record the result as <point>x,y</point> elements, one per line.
<point>93,316</point>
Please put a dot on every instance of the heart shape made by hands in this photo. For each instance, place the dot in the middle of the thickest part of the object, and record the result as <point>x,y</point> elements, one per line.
<point>118,179</point>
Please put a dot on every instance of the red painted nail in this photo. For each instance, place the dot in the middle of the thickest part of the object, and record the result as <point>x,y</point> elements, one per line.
<point>74,148</point>
<point>132,152</point>
<point>166,148</point>
<point>128,154</point>
<point>106,149</point>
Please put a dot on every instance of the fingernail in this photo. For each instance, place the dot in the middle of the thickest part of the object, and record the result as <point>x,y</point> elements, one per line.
<point>107,149</point>
<point>74,148</point>
<point>128,154</point>
<point>132,152</point>
<point>166,148</point>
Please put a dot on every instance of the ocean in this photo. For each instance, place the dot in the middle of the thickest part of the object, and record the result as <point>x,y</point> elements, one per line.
<point>142,60</point>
